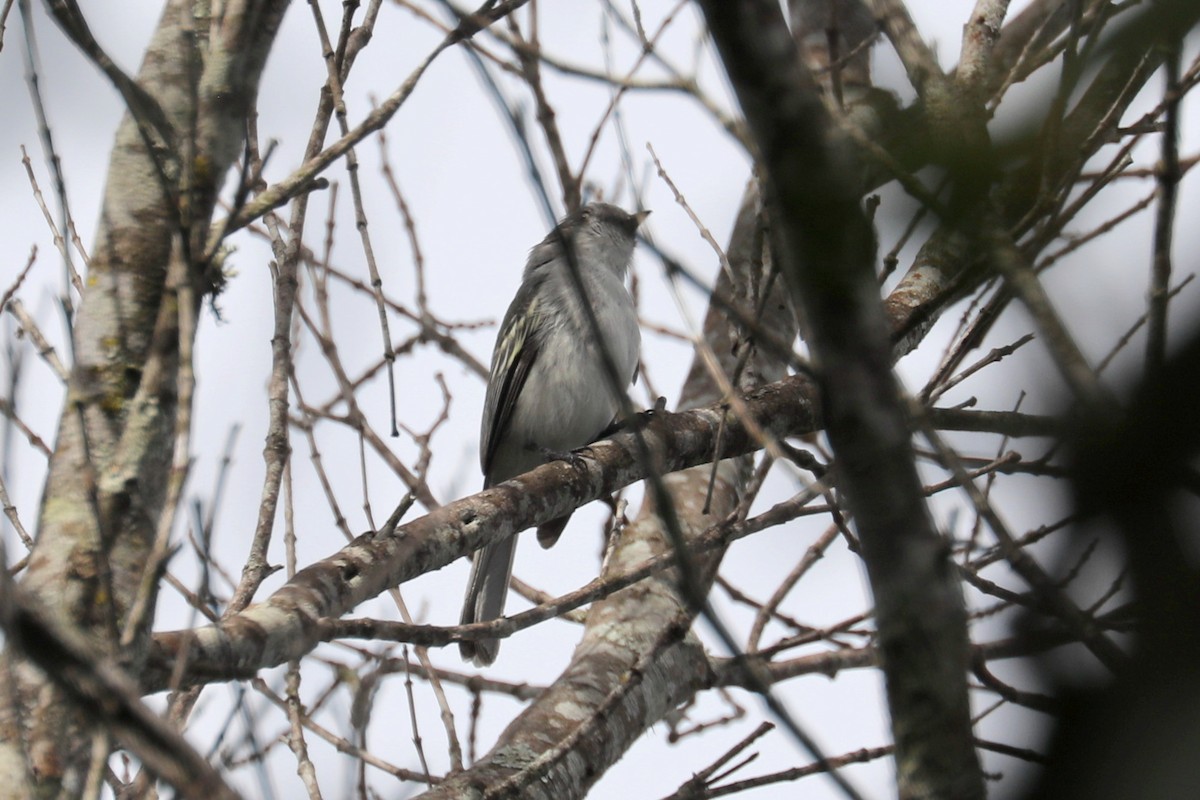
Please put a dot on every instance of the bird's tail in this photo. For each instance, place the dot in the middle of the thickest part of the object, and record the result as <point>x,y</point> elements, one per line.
<point>491,568</point>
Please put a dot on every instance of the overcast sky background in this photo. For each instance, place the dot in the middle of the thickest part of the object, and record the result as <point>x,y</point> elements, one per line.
<point>477,216</point>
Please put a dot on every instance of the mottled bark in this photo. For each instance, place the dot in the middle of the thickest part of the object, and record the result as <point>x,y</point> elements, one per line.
<point>108,476</point>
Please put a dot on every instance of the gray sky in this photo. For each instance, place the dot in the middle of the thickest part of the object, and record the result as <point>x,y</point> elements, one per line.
<point>477,217</point>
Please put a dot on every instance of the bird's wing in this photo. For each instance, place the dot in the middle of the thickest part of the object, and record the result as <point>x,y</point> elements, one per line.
<point>514,356</point>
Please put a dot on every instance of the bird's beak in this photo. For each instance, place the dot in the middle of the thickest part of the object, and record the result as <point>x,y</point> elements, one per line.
<point>641,217</point>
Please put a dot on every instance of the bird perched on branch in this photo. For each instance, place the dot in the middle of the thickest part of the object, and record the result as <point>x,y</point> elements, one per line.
<point>549,391</point>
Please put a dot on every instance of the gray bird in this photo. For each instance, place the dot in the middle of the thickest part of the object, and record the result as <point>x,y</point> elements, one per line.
<point>548,392</point>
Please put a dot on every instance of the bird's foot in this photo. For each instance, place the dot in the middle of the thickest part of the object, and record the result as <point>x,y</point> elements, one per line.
<point>637,422</point>
<point>573,457</point>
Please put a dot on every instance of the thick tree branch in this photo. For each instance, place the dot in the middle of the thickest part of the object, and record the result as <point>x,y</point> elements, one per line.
<point>286,625</point>
<point>95,535</point>
<point>104,692</point>
<point>827,253</point>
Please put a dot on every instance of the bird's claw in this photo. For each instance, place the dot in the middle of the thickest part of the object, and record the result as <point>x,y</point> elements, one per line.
<point>637,422</point>
<point>572,457</point>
